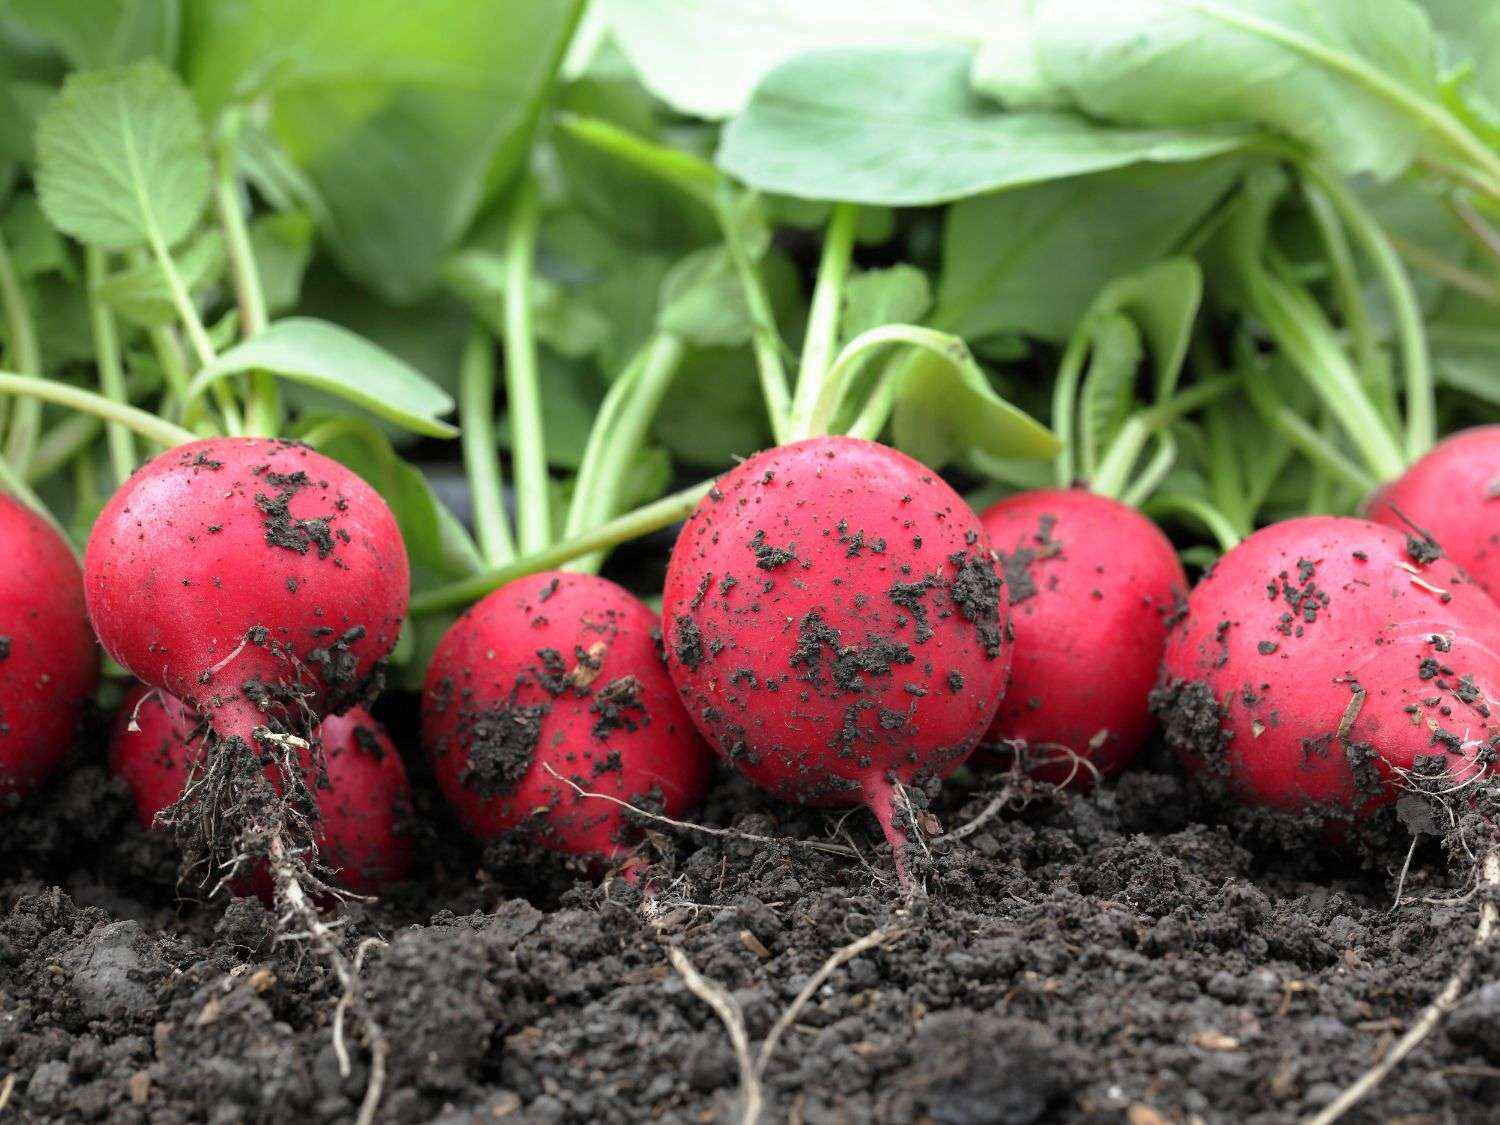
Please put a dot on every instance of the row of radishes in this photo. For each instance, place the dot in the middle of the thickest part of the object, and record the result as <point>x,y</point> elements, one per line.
<point>838,624</point>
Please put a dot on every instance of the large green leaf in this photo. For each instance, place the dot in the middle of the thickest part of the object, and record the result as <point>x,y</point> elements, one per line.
<point>99,33</point>
<point>1469,38</point>
<point>705,57</point>
<point>121,158</point>
<point>1031,260</point>
<point>1354,79</point>
<point>902,127</point>
<point>403,116</point>
<point>336,361</point>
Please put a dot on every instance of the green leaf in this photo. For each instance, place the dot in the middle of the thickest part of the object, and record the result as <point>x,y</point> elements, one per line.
<point>715,411</point>
<point>1466,357</point>
<point>1163,301</point>
<point>903,128</point>
<point>100,33</point>
<point>1355,80</point>
<point>684,171</point>
<point>1468,34</point>
<point>704,57</point>
<point>944,404</point>
<point>121,158</point>
<point>282,244</point>
<point>1031,260</point>
<point>898,295</point>
<point>35,246</point>
<point>1109,384</point>
<point>141,295</point>
<point>405,118</point>
<point>703,302</point>
<point>335,360</point>
<point>564,322</point>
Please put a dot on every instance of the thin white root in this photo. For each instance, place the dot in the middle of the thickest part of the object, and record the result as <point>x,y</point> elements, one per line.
<point>289,891</point>
<point>689,826</point>
<point>1432,1015</point>
<point>728,1010</point>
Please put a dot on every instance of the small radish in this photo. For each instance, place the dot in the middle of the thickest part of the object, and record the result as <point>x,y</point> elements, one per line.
<point>253,578</point>
<point>49,665</point>
<point>1323,655</point>
<point>363,804</point>
<point>1091,583</point>
<point>835,625</point>
<point>1452,494</point>
<point>552,677</point>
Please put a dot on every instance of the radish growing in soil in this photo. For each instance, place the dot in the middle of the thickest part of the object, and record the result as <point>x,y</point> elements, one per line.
<point>363,800</point>
<point>49,665</point>
<point>559,672</point>
<point>1322,656</point>
<point>1090,583</point>
<point>1452,494</point>
<point>264,585</point>
<point>835,624</point>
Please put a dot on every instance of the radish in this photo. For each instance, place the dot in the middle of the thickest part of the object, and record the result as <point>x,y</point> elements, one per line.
<point>254,579</point>
<point>1323,657</point>
<point>49,665</point>
<point>835,625</point>
<point>364,801</point>
<point>552,679</point>
<point>1452,494</point>
<point>1090,582</point>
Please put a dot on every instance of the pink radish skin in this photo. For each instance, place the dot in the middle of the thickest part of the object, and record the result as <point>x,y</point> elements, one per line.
<point>362,810</point>
<point>49,664</point>
<point>562,672</point>
<point>1259,675</point>
<point>1091,583</point>
<point>835,624</point>
<point>1452,494</point>
<point>253,578</point>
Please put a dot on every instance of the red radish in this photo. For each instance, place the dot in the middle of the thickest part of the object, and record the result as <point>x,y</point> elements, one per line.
<point>253,578</point>
<point>1452,494</point>
<point>1322,655</point>
<point>1090,583</point>
<point>362,808</point>
<point>559,672</point>
<point>49,665</point>
<point>836,626</point>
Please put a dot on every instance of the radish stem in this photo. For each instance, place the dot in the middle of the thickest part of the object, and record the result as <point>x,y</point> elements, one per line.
<point>522,379</point>
<point>25,353</point>
<point>476,396</point>
<point>111,373</point>
<point>823,317</point>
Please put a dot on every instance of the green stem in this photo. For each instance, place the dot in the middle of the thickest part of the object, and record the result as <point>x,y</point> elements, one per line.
<point>1308,342</point>
<point>1201,510</point>
<point>870,422</point>
<point>1303,437</point>
<point>1140,489</point>
<point>522,378</point>
<point>148,426</point>
<point>765,337</point>
<point>1346,286</point>
<point>1065,405</point>
<point>644,520</point>
<point>605,421</point>
<point>1449,273</point>
<point>26,354</point>
<point>626,434</point>
<point>263,409</point>
<point>121,445</point>
<point>1226,484</point>
<point>1421,412</point>
<point>856,351</point>
<point>1125,450</point>
<point>203,347</point>
<point>476,404</point>
<point>823,317</point>
<point>11,481</point>
<point>59,445</point>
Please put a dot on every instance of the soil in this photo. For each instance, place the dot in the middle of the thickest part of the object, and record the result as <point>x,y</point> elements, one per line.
<point>1118,956</point>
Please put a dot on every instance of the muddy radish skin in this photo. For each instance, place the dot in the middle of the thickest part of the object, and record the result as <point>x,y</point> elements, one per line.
<point>255,579</point>
<point>1453,494</point>
<point>835,625</point>
<point>1323,654</point>
<point>49,662</point>
<point>559,672</point>
<point>1091,583</point>
<point>363,810</point>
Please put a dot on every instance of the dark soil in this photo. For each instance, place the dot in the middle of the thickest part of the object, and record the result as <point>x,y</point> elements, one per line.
<point>1114,957</point>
